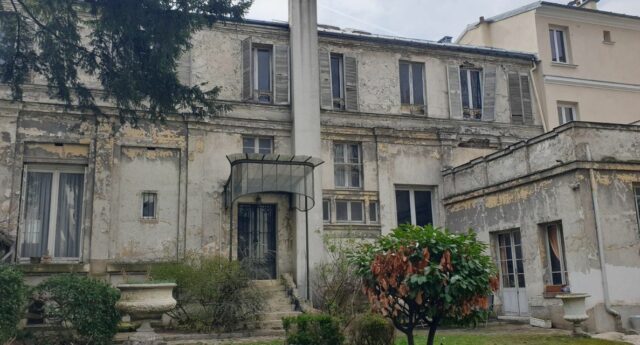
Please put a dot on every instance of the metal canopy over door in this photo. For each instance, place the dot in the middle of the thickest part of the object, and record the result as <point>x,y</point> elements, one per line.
<point>257,238</point>
<point>514,295</point>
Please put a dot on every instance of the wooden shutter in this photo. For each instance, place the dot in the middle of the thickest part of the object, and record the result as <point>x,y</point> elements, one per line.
<point>326,99</point>
<point>351,83</point>
<point>515,98</point>
<point>489,94</point>
<point>455,97</point>
<point>527,107</point>
<point>281,72</point>
<point>247,67</point>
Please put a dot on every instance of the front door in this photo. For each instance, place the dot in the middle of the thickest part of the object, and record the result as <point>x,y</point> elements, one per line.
<point>514,295</point>
<point>257,239</point>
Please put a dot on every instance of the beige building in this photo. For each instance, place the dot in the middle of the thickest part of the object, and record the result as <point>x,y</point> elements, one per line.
<point>587,58</point>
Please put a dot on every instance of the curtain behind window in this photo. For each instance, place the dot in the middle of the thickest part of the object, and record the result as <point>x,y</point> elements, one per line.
<point>69,215</point>
<point>37,208</point>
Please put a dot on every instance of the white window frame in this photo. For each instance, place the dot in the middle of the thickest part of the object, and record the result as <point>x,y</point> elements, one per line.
<point>256,143</point>
<point>376,206</point>
<point>256,92</point>
<point>348,166</point>
<point>55,170</point>
<point>340,100</point>
<point>469,88</point>
<point>328,202</point>
<point>563,114</point>
<point>155,205</point>
<point>563,268</point>
<point>557,31</point>
<point>411,91</point>
<point>412,202</point>
<point>349,217</point>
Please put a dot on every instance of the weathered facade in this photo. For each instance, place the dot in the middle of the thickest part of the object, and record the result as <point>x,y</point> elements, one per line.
<point>88,194</point>
<point>558,210</point>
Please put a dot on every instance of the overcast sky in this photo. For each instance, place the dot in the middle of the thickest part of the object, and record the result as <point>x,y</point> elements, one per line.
<point>424,19</point>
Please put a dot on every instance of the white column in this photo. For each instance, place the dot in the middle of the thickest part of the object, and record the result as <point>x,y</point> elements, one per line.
<point>305,107</point>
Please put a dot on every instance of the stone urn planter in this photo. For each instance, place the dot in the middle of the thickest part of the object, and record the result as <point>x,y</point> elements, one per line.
<point>145,302</point>
<point>575,310</point>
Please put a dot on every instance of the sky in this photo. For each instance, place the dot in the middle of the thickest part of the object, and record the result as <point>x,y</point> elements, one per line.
<point>422,19</point>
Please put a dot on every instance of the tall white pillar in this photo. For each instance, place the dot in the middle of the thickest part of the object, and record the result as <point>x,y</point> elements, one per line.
<point>305,107</point>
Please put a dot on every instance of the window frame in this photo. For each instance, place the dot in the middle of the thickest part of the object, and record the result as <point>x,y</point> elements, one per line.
<point>555,31</point>
<point>562,112</point>
<point>412,203</point>
<point>55,170</point>
<point>472,113</point>
<point>155,205</point>
<point>376,207</point>
<point>256,144</point>
<point>636,193</point>
<point>412,101</point>
<point>328,219</point>
<point>349,208</point>
<point>257,93</point>
<point>348,166</point>
<point>341,103</point>
<point>563,261</point>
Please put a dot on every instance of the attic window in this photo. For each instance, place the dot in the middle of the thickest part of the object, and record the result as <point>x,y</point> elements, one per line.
<point>606,37</point>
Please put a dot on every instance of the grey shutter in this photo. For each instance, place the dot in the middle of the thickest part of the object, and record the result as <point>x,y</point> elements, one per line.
<point>247,67</point>
<point>326,100</point>
<point>281,71</point>
<point>527,107</point>
<point>515,97</point>
<point>351,83</point>
<point>183,68</point>
<point>489,94</point>
<point>455,97</point>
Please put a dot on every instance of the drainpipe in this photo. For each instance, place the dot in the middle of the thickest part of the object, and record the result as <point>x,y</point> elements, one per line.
<point>535,91</point>
<point>600,238</point>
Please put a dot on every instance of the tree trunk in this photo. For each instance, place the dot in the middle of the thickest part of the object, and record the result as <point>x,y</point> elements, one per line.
<point>432,331</point>
<point>410,340</point>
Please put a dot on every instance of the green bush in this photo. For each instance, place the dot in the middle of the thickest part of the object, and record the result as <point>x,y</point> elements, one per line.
<point>313,330</point>
<point>372,329</point>
<point>13,293</point>
<point>83,307</point>
<point>213,293</point>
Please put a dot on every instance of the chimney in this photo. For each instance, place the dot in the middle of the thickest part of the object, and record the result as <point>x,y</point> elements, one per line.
<point>588,4</point>
<point>446,39</point>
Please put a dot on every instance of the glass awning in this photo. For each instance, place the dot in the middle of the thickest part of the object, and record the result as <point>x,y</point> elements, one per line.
<point>253,173</point>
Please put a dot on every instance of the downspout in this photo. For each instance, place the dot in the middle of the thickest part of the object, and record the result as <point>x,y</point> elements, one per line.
<point>535,91</point>
<point>600,239</point>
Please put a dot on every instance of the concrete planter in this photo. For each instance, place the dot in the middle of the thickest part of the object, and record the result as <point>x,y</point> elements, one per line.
<point>575,310</point>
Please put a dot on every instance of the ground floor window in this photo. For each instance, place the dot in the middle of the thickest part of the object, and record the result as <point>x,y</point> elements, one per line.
<point>52,211</point>
<point>414,206</point>
<point>556,264</point>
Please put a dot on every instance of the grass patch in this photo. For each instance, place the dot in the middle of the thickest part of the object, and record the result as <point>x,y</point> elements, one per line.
<point>505,339</point>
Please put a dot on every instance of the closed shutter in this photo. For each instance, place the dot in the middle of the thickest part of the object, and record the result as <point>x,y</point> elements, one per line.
<point>351,83</point>
<point>281,70</point>
<point>326,100</point>
<point>455,100</point>
<point>489,97</point>
<point>515,98</point>
<point>247,67</point>
<point>527,107</point>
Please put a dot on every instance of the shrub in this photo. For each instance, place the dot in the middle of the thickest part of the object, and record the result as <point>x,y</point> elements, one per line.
<point>371,329</point>
<point>213,293</point>
<point>311,329</point>
<point>13,293</point>
<point>83,307</point>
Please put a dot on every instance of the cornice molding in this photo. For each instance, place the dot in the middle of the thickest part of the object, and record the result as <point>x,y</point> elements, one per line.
<point>597,84</point>
<point>588,17</point>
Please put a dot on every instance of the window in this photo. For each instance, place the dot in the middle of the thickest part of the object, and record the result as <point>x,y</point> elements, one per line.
<point>412,83</point>
<point>636,189</point>
<point>555,254</point>
<point>149,205</point>
<point>413,206</point>
<point>53,208</point>
<point>471,88</point>
<point>348,165</point>
<point>606,36</point>
<point>373,212</point>
<point>558,45</point>
<point>337,81</point>
<point>349,211</point>
<point>260,145</point>
<point>262,73</point>
<point>326,210</point>
<point>566,113</point>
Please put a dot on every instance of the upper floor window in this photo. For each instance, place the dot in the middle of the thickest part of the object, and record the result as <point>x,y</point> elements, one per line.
<point>347,162</point>
<point>471,89</point>
<point>556,265</point>
<point>412,84</point>
<point>262,145</point>
<point>414,206</point>
<point>636,189</point>
<point>265,72</point>
<point>566,113</point>
<point>558,45</point>
<point>52,214</point>
<point>326,210</point>
<point>262,73</point>
<point>149,205</point>
<point>350,211</point>
<point>606,37</point>
<point>337,81</point>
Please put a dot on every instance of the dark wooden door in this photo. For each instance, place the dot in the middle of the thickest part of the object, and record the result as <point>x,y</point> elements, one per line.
<point>257,239</point>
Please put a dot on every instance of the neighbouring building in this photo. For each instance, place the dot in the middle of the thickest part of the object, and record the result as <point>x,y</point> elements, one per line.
<point>586,57</point>
<point>561,209</point>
